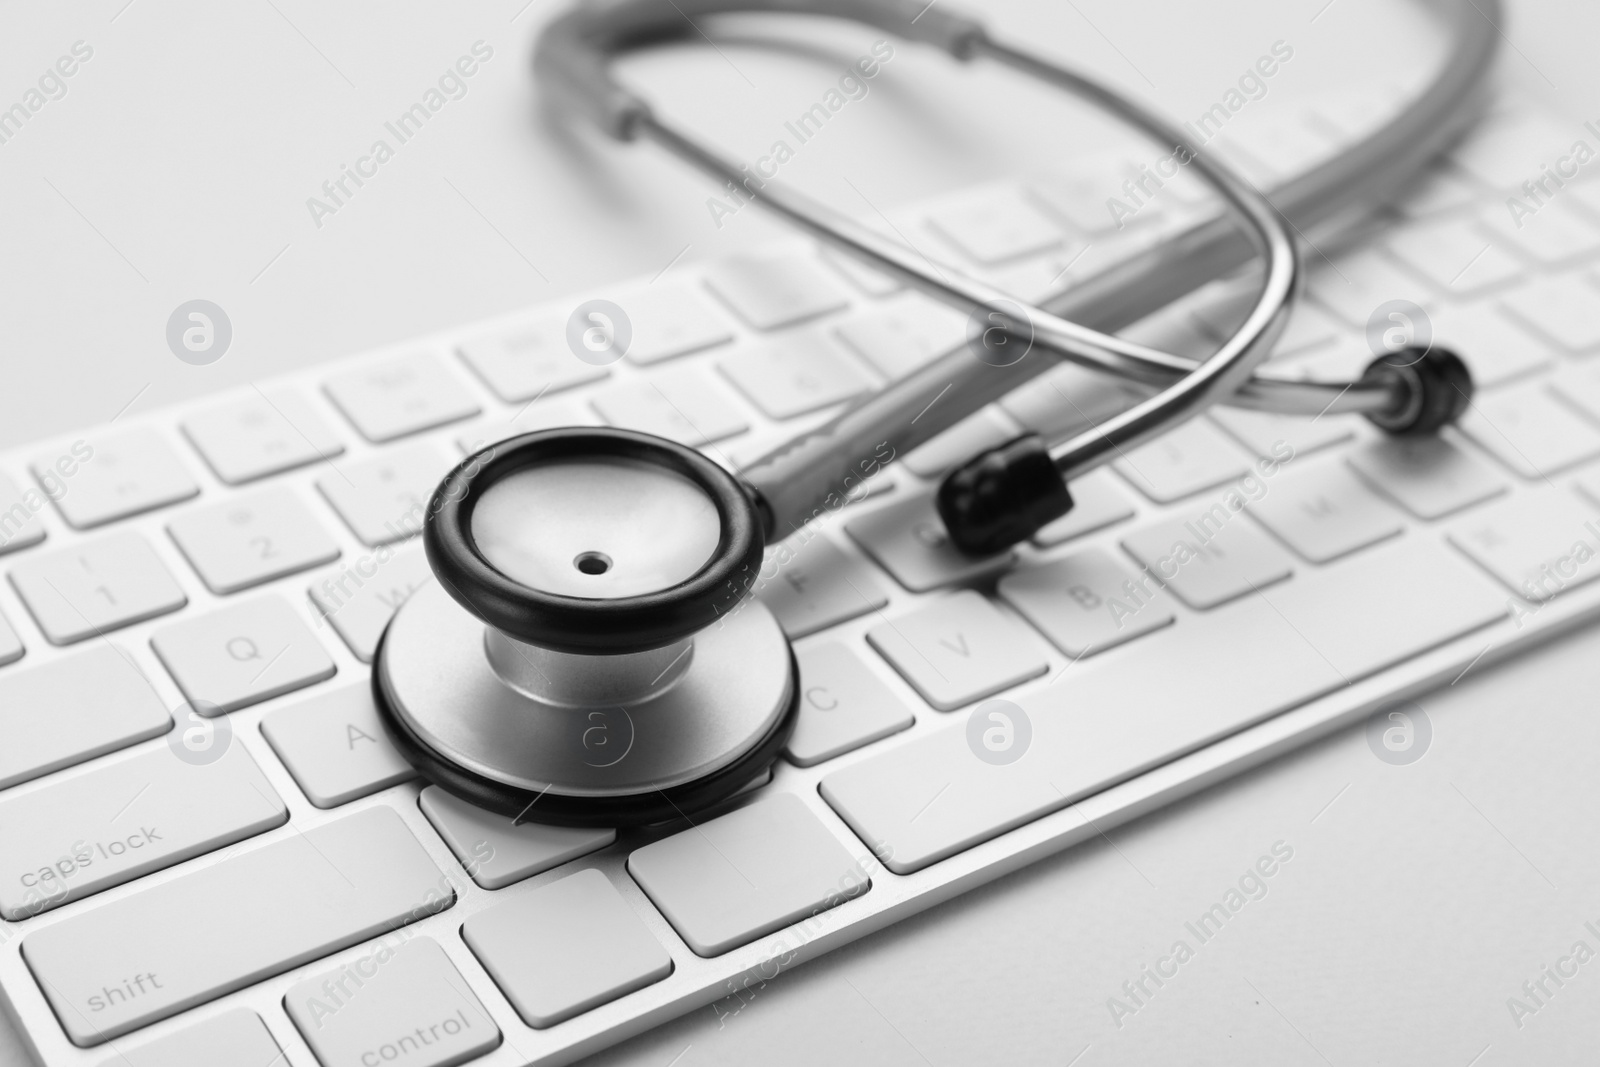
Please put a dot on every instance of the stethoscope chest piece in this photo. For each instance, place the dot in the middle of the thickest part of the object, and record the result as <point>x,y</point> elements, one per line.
<point>588,654</point>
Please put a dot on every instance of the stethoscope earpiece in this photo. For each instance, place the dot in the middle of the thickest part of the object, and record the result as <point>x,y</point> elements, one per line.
<point>1434,388</point>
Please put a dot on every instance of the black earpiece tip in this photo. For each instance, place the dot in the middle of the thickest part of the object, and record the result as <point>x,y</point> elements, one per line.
<point>1002,497</point>
<point>1435,384</point>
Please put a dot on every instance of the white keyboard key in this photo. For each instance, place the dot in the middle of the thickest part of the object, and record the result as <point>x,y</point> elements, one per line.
<point>909,541</point>
<point>335,746</point>
<point>1530,431</point>
<point>168,947</point>
<point>903,334</point>
<point>958,649</point>
<point>1588,486</point>
<point>238,1038</point>
<point>565,947</point>
<point>1457,259</point>
<point>1428,476</point>
<point>252,538</point>
<point>1578,384</point>
<point>19,516</point>
<point>1086,602</point>
<point>1557,235</point>
<point>1438,189</point>
<point>261,434</point>
<point>1586,195</point>
<point>400,1003</point>
<point>1257,171</point>
<point>544,415</point>
<point>869,281</point>
<point>1182,462</point>
<point>842,706</point>
<point>1508,149</point>
<point>1356,285</point>
<point>814,585</point>
<point>1165,695</point>
<point>728,881</point>
<point>1036,278</point>
<point>129,472</point>
<point>243,654</point>
<point>74,709</point>
<point>11,648</point>
<point>1561,309</point>
<point>679,403</point>
<point>1269,435</point>
<point>1285,146</point>
<point>1174,329</point>
<point>995,225</point>
<point>71,837</point>
<point>1309,329</point>
<point>360,599</point>
<point>1354,111</point>
<point>795,374</point>
<point>1495,349</point>
<point>400,395</point>
<point>772,291</point>
<point>95,586</point>
<point>1212,558</point>
<point>519,363</point>
<point>1342,362</point>
<point>1324,512</point>
<point>1539,544</point>
<point>1065,400</point>
<point>1096,504</point>
<point>386,499</point>
<point>672,320</point>
<point>988,428</point>
<point>1078,194</point>
<point>497,852</point>
<point>1220,306</point>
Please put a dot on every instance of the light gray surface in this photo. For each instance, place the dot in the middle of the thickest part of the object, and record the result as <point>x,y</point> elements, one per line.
<point>1418,900</point>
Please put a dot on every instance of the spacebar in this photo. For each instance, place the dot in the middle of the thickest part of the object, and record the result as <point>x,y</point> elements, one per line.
<point>142,958</point>
<point>1104,720</point>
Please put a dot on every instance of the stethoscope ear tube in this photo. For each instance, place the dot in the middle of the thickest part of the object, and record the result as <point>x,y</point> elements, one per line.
<point>795,480</point>
<point>571,60</point>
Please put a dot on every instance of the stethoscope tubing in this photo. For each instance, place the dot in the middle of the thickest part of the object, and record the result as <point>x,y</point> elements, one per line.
<point>796,478</point>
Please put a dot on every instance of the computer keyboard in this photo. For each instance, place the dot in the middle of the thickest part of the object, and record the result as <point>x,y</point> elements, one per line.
<point>212,855</point>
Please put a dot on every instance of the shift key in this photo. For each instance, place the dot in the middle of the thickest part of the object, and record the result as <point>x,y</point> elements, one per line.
<point>66,839</point>
<point>170,947</point>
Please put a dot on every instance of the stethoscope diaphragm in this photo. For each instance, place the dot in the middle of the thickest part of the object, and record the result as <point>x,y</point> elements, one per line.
<point>589,654</point>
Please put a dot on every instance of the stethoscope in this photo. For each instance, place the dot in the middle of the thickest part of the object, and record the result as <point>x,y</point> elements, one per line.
<point>590,654</point>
